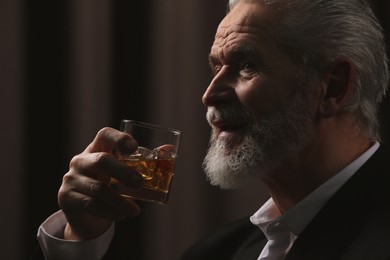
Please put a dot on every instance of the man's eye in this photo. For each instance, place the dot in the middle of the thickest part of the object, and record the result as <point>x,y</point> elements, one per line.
<point>248,66</point>
<point>217,68</point>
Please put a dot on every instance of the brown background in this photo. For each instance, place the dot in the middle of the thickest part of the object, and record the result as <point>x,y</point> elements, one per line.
<point>69,68</point>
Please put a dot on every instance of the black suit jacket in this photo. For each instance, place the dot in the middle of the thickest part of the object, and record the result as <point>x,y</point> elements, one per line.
<point>353,225</point>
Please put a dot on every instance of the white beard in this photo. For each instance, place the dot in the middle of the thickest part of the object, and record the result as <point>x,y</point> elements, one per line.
<point>264,145</point>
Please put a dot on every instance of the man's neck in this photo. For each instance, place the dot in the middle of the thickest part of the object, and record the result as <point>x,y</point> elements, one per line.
<point>320,161</point>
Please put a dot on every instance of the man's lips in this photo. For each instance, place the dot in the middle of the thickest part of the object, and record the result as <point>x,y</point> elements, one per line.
<point>226,127</point>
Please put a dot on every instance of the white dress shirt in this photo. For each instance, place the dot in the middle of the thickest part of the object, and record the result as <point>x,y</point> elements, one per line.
<point>280,230</point>
<point>50,235</point>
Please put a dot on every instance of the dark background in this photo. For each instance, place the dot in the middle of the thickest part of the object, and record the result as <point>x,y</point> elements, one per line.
<point>70,68</point>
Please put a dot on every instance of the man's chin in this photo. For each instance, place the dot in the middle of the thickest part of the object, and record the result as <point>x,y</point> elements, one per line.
<point>229,143</point>
<point>221,173</point>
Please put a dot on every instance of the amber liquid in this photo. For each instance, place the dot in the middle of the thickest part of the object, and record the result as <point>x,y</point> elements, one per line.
<point>157,173</point>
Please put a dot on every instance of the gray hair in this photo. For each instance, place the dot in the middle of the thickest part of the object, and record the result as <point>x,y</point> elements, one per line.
<point>316,32</point>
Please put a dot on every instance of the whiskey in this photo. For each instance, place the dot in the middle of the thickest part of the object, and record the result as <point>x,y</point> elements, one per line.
<point>157,173</point>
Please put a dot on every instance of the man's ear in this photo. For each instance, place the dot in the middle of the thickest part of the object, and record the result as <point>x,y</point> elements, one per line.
<point>338,84</point>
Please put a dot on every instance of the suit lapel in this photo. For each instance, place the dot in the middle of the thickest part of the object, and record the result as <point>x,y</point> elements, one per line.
<point>335,225</point>
<point>252,251</point>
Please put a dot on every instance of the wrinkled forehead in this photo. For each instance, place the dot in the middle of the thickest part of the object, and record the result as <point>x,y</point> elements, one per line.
<point>250,15</point>
<point>232,3</point>
<point>249,26</point>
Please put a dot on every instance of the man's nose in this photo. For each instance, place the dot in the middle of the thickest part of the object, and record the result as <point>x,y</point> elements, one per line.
<point>220,90</point>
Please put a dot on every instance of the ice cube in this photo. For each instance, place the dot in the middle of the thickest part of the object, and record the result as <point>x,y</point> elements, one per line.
<point>143,151</point>
<point>166,151</point>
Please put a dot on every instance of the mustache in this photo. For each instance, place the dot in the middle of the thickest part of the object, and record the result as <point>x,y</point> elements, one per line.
<point>228,112</point>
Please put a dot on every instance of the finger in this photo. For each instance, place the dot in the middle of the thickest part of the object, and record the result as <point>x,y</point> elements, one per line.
<point>94,197</point>
<point>111,140</point>
<point>104,164</point>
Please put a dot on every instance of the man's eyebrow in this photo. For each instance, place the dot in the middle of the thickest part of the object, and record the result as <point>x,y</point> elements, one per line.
<point>235,53</point>
<point>211,60</point>
<point>241,51</point>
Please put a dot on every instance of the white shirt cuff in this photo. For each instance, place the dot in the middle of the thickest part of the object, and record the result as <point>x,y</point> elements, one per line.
<point>53,247</point>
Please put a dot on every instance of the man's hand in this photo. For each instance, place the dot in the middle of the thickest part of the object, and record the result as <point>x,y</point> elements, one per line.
<point>87,200</point>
